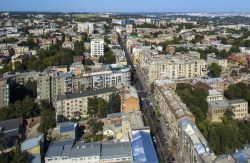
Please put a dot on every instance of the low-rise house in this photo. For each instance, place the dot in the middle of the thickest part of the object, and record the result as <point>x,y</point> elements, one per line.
<point>65,130</point>
<point>68,45</point>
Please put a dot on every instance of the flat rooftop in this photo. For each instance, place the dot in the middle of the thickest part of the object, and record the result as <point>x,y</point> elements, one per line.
<point>116,150</point>
<point>220,104</point>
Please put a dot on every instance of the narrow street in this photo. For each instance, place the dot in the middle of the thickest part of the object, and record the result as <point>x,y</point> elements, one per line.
<point>148,111</point>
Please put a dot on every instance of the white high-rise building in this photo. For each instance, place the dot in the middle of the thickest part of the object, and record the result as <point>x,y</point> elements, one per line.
<point>97,47</point>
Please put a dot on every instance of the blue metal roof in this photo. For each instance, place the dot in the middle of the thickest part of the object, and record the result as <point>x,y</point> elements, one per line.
<point>31,143</point>
<point>240,157</point>
<point>143,148</point>
<point>66,127</point>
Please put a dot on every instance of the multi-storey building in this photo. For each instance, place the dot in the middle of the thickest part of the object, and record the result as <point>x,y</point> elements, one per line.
<point>85,28</point>
<point>109,76</point>
<point>51,85</point>
<point>97,47</point>
<point>170,106</point>
<point>158,67</point>
<point>182,133</point>
<point>4,92</point>
<point>76,104</point>
<point>217,109</point>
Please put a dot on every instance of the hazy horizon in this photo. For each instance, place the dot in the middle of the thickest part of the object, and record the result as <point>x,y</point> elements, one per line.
<point>126,6</point>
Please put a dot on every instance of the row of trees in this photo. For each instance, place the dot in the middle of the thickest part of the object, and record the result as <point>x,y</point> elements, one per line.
<point>22,108</point>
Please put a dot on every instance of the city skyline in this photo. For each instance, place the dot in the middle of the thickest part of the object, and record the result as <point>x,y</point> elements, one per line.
<point>126,6</point>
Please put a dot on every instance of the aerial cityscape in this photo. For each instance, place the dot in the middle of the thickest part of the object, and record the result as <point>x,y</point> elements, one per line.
<point>124,81</point>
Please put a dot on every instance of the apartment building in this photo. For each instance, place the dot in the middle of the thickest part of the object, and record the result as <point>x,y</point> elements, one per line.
<point>113,75</point>
<point>97,47</point>
<point>217,109</point>
<point>171,107</point>
<point>85,28</point>
<point>70,151</point>
<point>4,92</point>
<point>180,125</point>
<point>120,56</point>
<point>51,85</point>
<point>76,104</point>
<point>220,61</point>
<point>159,67</point>
<point>193,145</point>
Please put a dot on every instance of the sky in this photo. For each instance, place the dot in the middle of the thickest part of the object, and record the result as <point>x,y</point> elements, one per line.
<point>126,5</point>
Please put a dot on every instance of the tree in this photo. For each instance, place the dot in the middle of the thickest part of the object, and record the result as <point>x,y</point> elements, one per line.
<point>214,70</point>
<point>95,125</point>
<point>92,107</point>
<point>2,141</point>
<point>61,118</point>
<point>101,59</point>
<point>101,105</point>
<point>19,156</point>
<point>88,62</point>
<point>96,107</point>
<point>48,120</point>
<point>109,57</point>
<point>113,105</point>
<point>229,114</point>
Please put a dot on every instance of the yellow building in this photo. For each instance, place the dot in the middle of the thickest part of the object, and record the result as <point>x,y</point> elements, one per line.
<point>159,67</point>
<point>218,108</point>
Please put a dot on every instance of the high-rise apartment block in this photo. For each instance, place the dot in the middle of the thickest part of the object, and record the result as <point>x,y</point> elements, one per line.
<point>4,92</point>
<point>49,86</point>
<point>97,47</point>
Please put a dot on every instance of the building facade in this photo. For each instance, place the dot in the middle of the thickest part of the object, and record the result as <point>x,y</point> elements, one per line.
<point>217,109</point>
<point>4,92</point>
<point>97,47</point>
<point>76,104</point>
<point>159,67</point>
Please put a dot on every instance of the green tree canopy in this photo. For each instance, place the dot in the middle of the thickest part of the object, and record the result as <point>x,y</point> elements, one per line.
<point>48,119</point>
<point>214,70</point>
